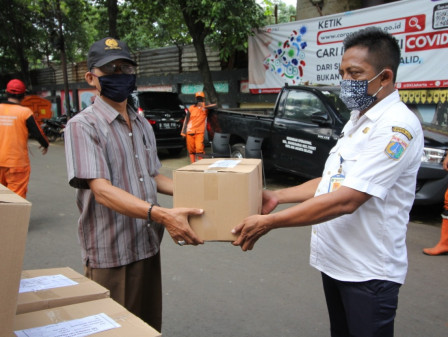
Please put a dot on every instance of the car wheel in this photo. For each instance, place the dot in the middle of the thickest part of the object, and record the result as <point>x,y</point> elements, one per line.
<point>238,151</point>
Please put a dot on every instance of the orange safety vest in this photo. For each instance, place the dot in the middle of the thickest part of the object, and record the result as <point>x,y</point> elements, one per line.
<point>196,122</point>
<point>14,135</point>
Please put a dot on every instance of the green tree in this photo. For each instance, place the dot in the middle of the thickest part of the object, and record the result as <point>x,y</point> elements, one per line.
<point>31,36</point>
<point>152,24</point>
<point>43,33</point>
<point>223,24</point>
<point>106,17</point>
<point>284,12</point>
<point>226,24</point>
<point>16,40</point>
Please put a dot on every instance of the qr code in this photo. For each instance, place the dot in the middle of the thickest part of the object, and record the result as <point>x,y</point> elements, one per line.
<point>440,17</point>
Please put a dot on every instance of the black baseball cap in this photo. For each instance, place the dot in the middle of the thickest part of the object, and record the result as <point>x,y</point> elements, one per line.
<point>107,50</point>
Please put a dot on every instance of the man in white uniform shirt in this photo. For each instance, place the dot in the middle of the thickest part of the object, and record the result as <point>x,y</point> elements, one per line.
<point>360,206</point>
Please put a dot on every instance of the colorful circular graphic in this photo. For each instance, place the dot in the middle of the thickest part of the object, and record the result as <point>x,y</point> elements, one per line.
<point>288,59</point>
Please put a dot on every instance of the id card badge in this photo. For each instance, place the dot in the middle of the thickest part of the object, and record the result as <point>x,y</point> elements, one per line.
<point>337,180</point>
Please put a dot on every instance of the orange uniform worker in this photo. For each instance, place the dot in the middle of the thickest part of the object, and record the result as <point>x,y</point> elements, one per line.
<point>441,248</point>
<point>194,126</point>
<point>16,124</point>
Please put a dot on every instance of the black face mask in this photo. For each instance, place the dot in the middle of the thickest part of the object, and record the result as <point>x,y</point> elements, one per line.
<point>117,87</point>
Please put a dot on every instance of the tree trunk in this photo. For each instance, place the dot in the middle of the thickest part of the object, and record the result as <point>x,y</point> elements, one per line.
<point>196,29</point>
<point>24,65</point>
<point>63,62</point>
<point>112,10</point>
<point>204,70</point>
<point>18,43</point>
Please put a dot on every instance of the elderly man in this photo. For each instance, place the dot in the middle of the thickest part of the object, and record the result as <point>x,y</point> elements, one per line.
<point>112,162</point>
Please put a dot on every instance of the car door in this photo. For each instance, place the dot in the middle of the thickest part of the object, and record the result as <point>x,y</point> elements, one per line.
<point>302,133</point>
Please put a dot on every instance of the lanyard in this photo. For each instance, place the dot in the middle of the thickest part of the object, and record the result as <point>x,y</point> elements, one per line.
<point>337,179</point>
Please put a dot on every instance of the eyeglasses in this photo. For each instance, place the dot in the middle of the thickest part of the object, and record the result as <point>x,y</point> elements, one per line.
<point>112,68</point>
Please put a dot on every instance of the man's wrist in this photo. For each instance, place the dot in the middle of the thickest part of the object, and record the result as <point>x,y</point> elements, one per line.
<point>150,212</point>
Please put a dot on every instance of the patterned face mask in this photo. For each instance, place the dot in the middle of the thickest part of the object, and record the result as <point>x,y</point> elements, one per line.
<point>354,93</point>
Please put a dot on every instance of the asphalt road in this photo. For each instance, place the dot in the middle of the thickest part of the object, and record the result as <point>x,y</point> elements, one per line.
<point>218,290</point>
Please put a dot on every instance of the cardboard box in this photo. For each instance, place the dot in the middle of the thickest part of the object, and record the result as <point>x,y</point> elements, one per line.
<point>14,220</point>
<point>4,190</point>
<point>85,290</point>
<point>130,325</point>
<point>228,190</point>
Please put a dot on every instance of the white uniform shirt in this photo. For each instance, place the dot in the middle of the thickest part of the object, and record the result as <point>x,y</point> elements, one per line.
<point>380,154</point>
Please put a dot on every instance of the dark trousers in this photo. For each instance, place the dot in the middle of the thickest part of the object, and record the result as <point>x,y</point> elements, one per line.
<point>136,286</point>
<point>361,309</point>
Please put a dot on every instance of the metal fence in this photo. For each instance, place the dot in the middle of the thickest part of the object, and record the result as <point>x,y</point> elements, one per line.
<point>152,62</point>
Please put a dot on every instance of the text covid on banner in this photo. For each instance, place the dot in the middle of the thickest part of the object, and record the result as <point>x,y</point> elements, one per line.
<point>309,51</point>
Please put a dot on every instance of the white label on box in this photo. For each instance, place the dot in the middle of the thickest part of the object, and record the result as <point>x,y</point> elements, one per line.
<point>225,163</point>
<point>45,282</point>
<point>75,328</point>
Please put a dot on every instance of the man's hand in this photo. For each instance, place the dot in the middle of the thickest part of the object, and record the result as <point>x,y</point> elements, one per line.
<point>176,223</point>
<point>44,150</point>
<point>250,230</point>
<point>175,220</point>
<point>270,201</point>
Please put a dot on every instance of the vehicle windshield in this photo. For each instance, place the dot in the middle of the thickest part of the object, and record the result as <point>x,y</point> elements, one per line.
<point>160,100</point>
<point>333,96</point>
<point>434,117</point>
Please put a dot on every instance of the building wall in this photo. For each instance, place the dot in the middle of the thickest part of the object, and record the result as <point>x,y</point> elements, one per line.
<point>306,9</point>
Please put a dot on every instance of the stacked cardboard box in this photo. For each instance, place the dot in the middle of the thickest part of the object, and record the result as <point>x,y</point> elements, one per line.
<point>228,190</point>
<point>82,308</point>
<point>83,290</point>
<point>103,317</point>
<point>14,219</point>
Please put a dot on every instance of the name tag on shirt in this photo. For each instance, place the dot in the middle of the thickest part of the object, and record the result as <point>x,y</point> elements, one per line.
<point>335,182</point>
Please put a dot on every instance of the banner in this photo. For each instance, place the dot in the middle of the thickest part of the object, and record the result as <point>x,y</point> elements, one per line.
<point>309,51</point>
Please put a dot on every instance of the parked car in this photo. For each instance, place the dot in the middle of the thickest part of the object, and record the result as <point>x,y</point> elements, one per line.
<point>432,179</point>
<point>306,123</point>
<point>166,113</point>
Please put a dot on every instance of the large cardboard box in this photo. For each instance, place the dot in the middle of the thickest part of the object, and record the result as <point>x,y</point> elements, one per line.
<point>71,319</point>
<point>14,220</point>
<point>84,290</point>
<point>228,190</point>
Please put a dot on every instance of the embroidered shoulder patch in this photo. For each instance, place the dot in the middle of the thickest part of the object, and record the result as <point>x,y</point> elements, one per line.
<point>402,131</point>
<point>395,148</point>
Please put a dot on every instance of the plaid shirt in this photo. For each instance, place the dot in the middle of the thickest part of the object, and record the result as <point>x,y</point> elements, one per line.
<point>99,144</point>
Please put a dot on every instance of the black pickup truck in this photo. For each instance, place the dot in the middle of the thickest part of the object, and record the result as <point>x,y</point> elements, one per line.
<point>305,124</point>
